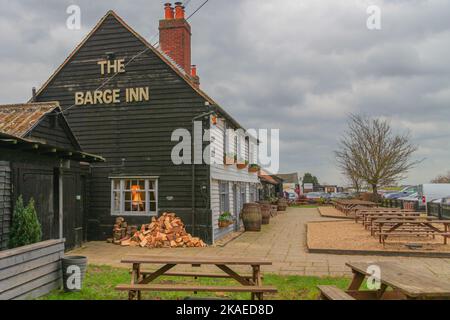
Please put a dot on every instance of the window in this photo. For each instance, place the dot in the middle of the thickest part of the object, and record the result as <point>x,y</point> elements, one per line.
<point>134,196</point>
<point>243,195</point>
<point>247,149</point>
<point>225,139</point>
<point>224,192</point>
<point>253,192</point>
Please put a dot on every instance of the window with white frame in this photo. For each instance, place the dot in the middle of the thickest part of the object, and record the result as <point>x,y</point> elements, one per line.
<point>134,196</point>
<point>224,192</point>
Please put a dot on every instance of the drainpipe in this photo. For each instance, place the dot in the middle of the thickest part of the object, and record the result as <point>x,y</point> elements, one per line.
<point>61,203</point>
<point>203,115</point>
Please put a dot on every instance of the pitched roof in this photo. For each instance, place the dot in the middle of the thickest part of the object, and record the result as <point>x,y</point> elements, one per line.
<point>157,52</point>
<point>289,178</point>
<point>19,119</point>
<point>266,177</point>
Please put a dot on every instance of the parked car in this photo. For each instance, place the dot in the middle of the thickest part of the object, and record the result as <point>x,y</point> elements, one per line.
<point>412,197</point>
<point>433,191</point>
<point>292,196</point>
<point>405,192</point>
<point>315,195</point>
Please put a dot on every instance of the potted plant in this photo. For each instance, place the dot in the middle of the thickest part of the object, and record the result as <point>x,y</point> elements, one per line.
<point>254,168</point>
<point>225,220</point>
<point>242,164</point>
<point>229,159</point>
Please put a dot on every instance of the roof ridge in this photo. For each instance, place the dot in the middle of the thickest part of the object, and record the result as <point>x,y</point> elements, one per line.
<point>55,103</point>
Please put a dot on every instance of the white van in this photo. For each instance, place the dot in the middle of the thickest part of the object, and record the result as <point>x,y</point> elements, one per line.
<point>432,191</point>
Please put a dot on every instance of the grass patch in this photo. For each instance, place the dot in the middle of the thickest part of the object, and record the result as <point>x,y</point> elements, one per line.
<point>101,280</point>
<point>306,206</point>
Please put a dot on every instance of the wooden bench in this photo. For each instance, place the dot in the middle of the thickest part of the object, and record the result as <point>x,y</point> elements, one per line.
<point>198,275</point>
<point>424,233</point>
<point>258,290</point>
<point>333,293</point>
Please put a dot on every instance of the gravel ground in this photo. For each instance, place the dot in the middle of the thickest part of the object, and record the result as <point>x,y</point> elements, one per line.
<point>347,235</point>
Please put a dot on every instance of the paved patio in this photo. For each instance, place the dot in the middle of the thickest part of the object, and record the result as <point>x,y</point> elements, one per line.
<point>282,242</point>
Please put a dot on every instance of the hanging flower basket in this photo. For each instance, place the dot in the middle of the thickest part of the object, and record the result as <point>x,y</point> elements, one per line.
<point>225,224</point>
<point>254,168</point>
<point>225,220</point>
<point>242,166</point>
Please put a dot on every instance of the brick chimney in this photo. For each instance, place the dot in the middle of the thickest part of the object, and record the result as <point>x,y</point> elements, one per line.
<point>175,35</point>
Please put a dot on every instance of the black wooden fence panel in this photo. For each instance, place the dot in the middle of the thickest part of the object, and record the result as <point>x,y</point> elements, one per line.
<point>5,203</point>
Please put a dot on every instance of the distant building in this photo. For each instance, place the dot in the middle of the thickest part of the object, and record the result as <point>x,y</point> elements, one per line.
<point>291,182</point>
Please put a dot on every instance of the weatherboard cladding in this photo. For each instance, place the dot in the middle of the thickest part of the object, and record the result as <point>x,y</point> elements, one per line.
<point>135,138</point>
<point>5,203</point>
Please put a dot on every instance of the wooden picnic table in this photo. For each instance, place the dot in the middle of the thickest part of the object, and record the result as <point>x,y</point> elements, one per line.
<point>347,205</point>
<point>140,280</point>
<point>424,227</point>
<point>371,224</point>
<point>405,282</point>
<point>369,213</point>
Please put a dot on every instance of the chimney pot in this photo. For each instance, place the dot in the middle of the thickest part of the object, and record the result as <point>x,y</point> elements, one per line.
<point>168,11</point>
<point>193,70</point>
<point>179,10</point>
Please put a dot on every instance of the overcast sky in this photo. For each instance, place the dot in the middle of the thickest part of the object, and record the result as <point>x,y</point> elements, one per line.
<point>298,65</point>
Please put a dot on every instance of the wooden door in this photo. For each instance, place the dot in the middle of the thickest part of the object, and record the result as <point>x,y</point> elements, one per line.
<point>38,183</point>
<point>74,185</point>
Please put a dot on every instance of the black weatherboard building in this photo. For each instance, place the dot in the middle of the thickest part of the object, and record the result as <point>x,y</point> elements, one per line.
<point>129,120</point>
<point>40,158</point>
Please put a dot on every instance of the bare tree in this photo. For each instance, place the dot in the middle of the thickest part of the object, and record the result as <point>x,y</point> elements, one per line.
<point>371,152</point>
<point>353,179</point>
<point>442,178</point>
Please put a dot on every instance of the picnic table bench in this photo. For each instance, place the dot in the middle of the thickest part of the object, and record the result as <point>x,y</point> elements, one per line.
<point>406,283</point>
<point>412,227</point>
<point>141,280</point>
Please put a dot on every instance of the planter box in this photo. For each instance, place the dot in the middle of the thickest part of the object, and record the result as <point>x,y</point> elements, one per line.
<point>228,161</point>
<point>253,170</point>
<point>241,166</point>
<point>225,224</point>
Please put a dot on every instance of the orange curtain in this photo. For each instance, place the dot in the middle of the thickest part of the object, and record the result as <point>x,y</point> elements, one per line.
<point>136,195</point>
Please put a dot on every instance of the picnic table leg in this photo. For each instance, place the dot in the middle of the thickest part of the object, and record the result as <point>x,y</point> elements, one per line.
<point>135,276</point>
<point>257,282</point>
<point>446,231</point>
<point>358,279</point>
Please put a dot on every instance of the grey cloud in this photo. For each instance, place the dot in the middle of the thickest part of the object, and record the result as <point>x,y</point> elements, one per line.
<point>300,66</point>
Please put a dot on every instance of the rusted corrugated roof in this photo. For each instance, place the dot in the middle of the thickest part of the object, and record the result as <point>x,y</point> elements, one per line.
<point>263,175</point>
<point>19,119</point>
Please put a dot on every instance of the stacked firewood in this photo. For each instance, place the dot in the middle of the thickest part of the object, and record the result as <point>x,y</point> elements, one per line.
<point>167,231</point>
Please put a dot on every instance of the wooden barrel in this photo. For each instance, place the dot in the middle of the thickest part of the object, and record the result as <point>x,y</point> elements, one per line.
<point>282,204</point>
<point>251,217</point>
<point>265,212</point>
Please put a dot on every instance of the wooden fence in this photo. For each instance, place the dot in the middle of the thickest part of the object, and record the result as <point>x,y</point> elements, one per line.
<point>31,271</point>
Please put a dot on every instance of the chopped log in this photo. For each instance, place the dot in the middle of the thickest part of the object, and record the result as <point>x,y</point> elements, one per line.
<point>167,231</point>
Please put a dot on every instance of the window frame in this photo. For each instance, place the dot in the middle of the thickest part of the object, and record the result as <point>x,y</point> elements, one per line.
<point>122,201</point>
<point>224,190</point>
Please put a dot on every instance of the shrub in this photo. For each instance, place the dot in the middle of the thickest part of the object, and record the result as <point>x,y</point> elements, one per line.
<point>25,228</point>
